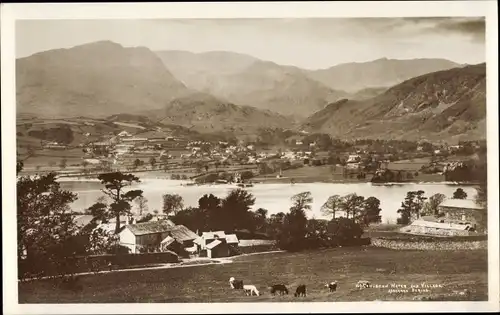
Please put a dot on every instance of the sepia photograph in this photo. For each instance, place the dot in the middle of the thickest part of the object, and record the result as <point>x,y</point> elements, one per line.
<point>250,159</point>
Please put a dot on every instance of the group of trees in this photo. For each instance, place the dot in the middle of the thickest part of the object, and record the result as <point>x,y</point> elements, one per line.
<point>48,237</point>
<point>416,204</point>
<point>293,230</point>
<point>213,213</point>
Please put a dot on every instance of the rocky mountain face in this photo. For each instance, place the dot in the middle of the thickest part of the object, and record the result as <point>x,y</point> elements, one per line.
<point>449,104</point>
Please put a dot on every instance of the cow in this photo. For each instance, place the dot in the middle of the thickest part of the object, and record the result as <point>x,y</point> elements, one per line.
<point>235,284</point>
<point>279,288</point>
<point>300,291</point>
<point>332,286</point>
<point>250,289</point>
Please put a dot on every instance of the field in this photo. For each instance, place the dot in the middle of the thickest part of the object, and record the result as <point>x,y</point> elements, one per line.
<point>453,270</point>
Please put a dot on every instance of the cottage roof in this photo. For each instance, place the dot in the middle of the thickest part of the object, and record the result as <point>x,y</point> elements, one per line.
<point>83,220</point>
<point>151,227</point>
<point>211,235</point>
<point>461,203</point>
<point>232,239</point>
<point>182,233</point>
<point>213,244</point>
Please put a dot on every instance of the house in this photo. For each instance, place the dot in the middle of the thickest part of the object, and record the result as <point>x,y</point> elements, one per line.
<point>354,158</point>
<point>463,211</point>
<point>217,244</point>
<point>154,236</point>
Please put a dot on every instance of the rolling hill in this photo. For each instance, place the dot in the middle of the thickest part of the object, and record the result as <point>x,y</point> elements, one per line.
<point>443,105</point>
<point>245,80</point>
<point>101,79</point>
<point>384,72</point>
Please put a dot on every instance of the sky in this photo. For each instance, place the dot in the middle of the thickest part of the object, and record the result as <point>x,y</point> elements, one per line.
<point>310,43</point>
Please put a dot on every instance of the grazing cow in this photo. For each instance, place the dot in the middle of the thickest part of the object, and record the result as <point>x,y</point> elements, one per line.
<point>235,284</point>
<point>363,284</point>
<point>279,288</point>
<point>250,289</point>
<point>300,291</point>
<point>332,286</point>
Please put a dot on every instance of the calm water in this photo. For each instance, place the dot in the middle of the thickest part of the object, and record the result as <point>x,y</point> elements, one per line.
<point>273,197</point>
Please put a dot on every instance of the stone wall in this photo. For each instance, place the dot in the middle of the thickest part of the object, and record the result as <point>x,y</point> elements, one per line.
<point>426,245</point>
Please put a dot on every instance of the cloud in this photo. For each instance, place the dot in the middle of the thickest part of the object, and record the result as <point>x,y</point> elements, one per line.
<point>471,27</point>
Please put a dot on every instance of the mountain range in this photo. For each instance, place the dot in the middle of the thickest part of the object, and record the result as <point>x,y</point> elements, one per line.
<point>439,105</point>
<point>225,91</point>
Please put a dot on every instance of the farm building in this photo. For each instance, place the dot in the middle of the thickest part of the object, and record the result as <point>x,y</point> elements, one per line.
<point>424,227</point>
<point>217,244</point>
<point>154,236</point>
<point>462,211</point>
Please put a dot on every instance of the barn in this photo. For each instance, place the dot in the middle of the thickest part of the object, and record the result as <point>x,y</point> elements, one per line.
<point>463,211</point>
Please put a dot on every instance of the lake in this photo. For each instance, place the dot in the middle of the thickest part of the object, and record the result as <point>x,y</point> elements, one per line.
<point>273,197</point>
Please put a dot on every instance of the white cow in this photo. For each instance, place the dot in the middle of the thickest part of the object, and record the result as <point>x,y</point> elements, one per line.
<point>250,289</point>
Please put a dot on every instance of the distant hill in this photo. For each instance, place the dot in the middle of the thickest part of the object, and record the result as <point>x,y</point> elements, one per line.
<point>207,115</point>
<point>102,79</point>
<point>443,105</point>
<point>383,72</point>
<point>245,80</point>
<point>96,79</point>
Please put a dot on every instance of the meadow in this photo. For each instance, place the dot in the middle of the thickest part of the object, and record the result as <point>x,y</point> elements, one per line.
<point>451,270</point>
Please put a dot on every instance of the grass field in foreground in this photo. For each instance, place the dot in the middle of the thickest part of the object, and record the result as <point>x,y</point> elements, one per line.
<point>454,270</point>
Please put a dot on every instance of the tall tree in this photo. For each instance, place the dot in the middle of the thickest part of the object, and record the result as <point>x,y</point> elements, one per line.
<point>236,207</point>
<point>332,205</point>
<point>142,204</point>
<point>459,194</point>
<point>370,212</point>
<point>352,206</point>
<point>431,207</point>
<point>412,206</point>
<point>115,184</point>
<point>172,203</point>
<point>302,201</point>
<point>45,226</point>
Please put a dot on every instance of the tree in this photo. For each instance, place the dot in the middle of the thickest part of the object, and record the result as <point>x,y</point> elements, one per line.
<point>152,162</point>
<point>411,206</point>
<point>260,220</point>
<point>370,212</point>
<point>44,225</point>
<point>352,205</point>
<point>63,163</point>
<point>172,203</point>
<point>294,231</point>
<point>332,205</point>
<point>459,194</point>
<point>431,206</point>
<point>343,231</point>
<point>142,204</point>
<point>114,184</point>
<point>235,209</point>
<point>302,201</point>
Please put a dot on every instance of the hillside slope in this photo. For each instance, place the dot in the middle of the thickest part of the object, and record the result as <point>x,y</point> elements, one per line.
<point>383,72</point>
<point>443,105</point>
<point>103,78</point>
<point>245,80</point>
